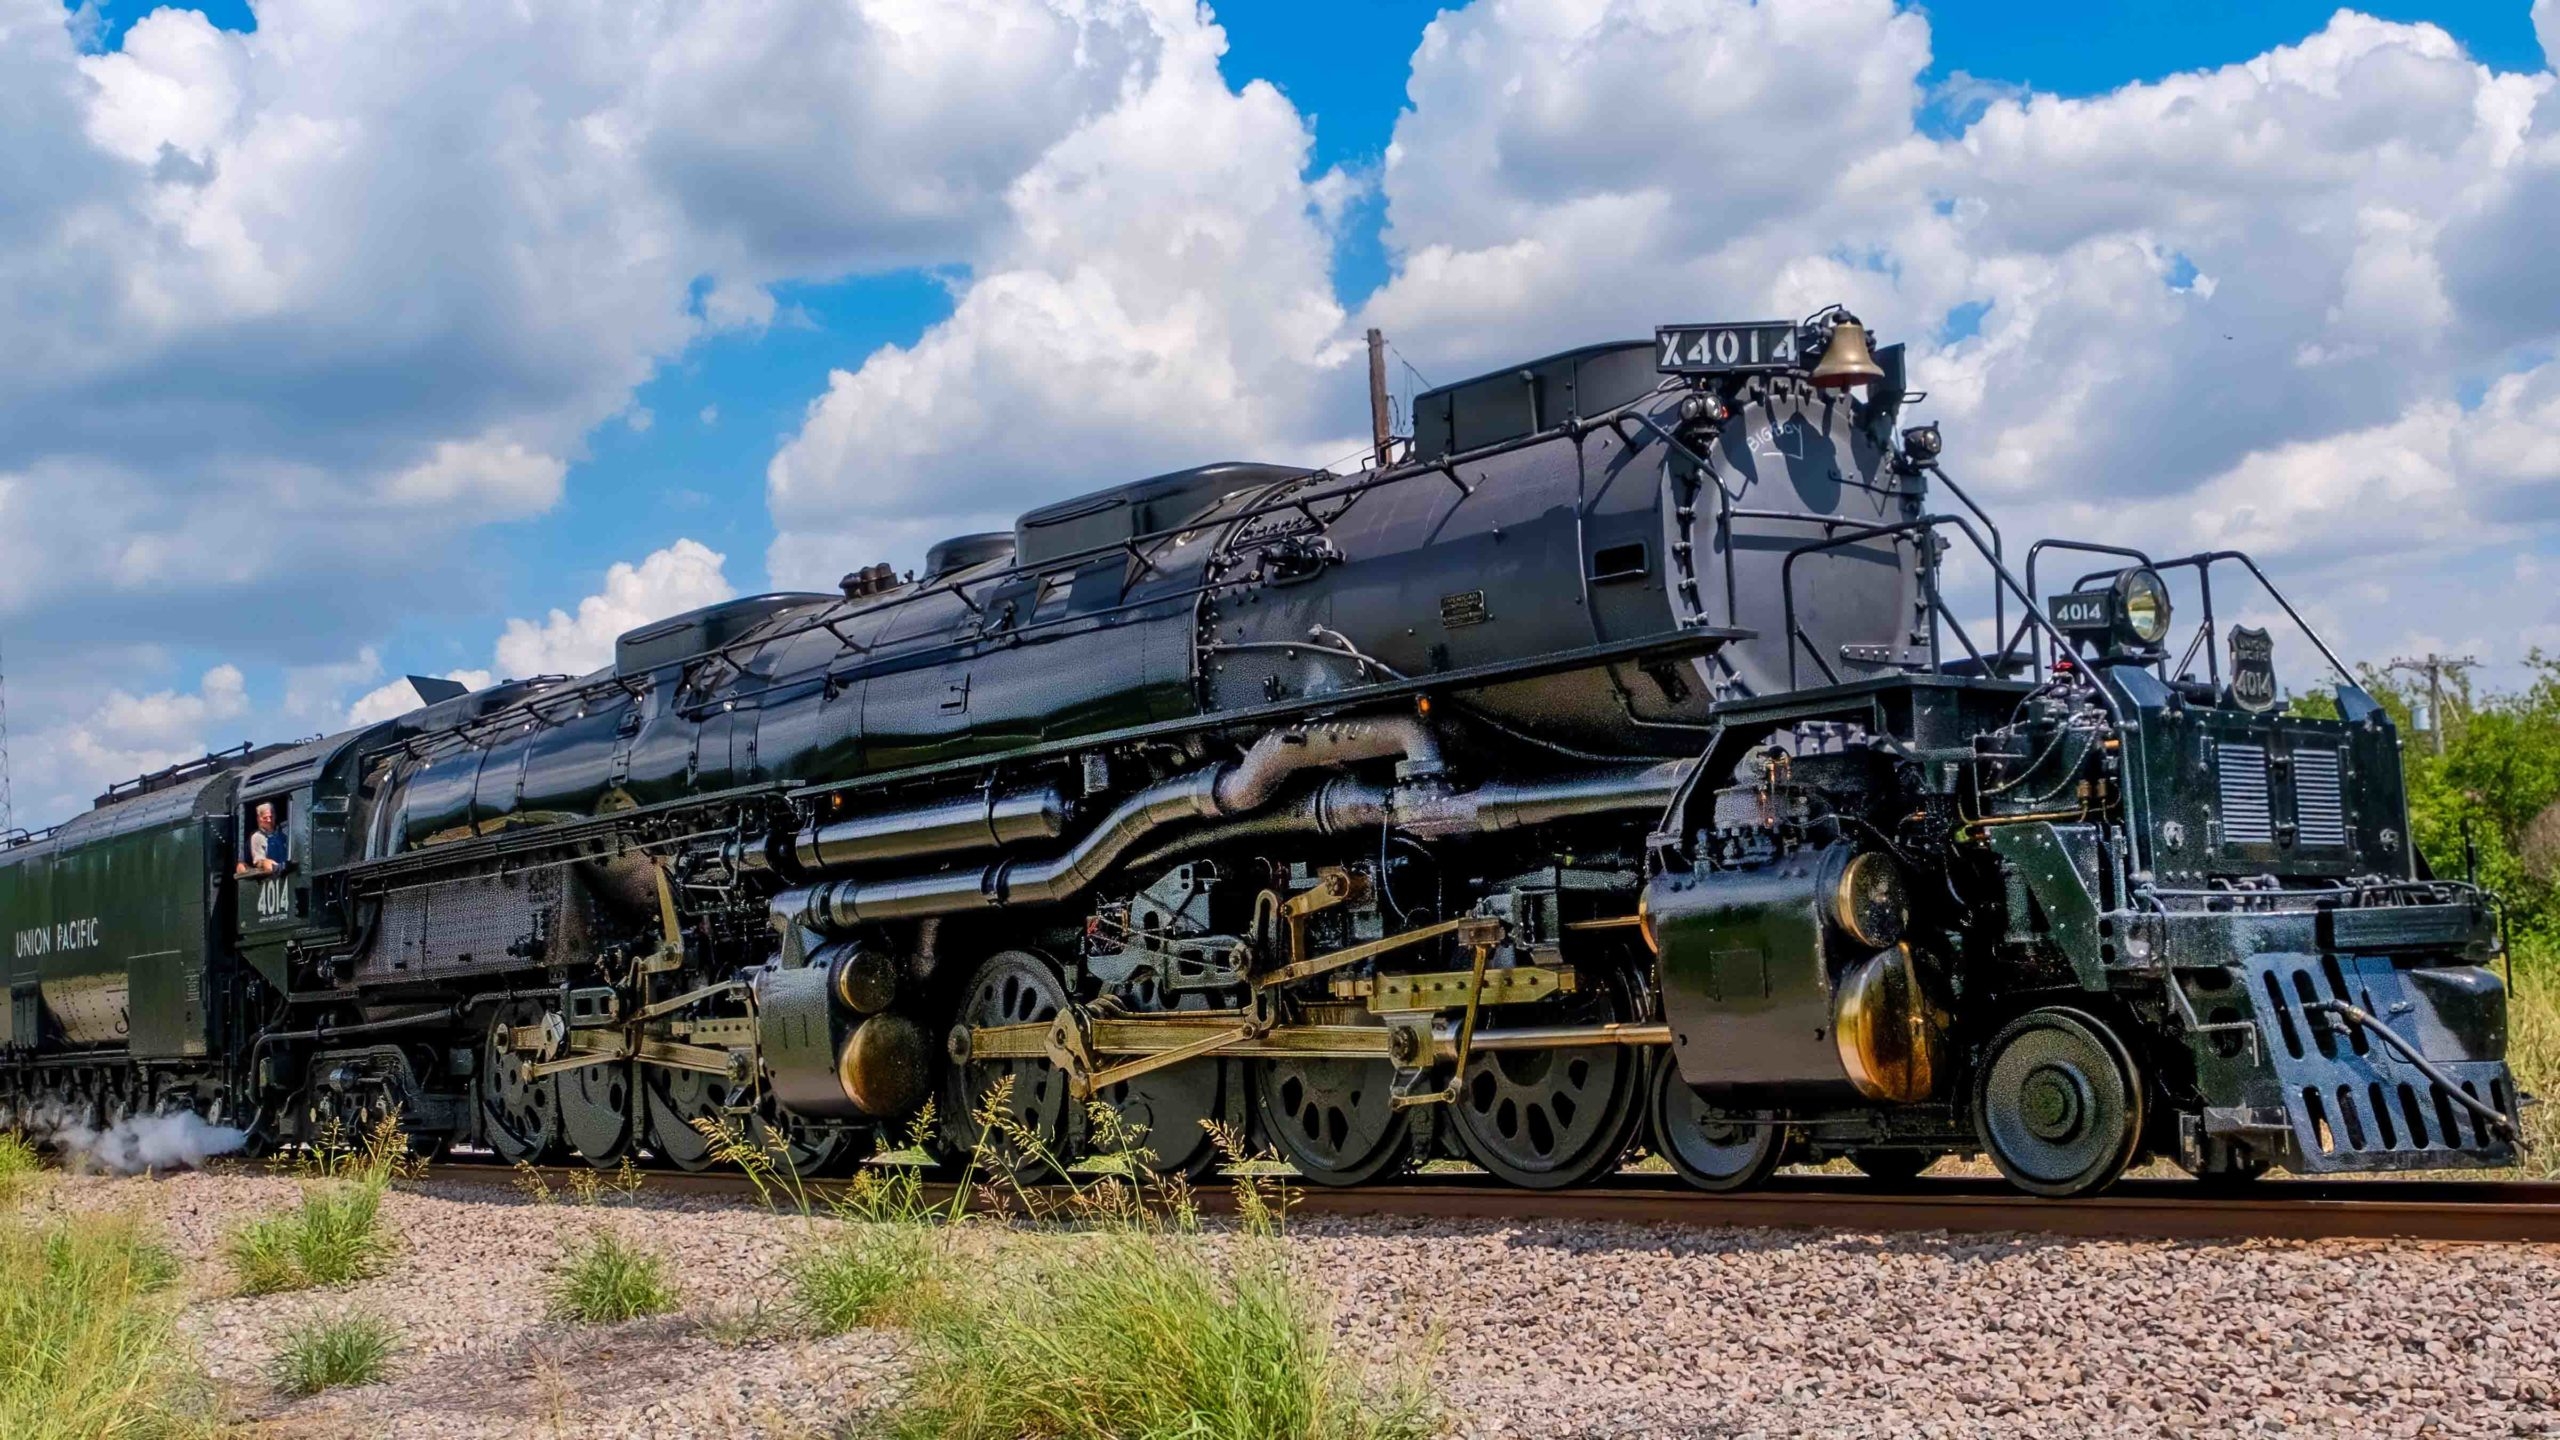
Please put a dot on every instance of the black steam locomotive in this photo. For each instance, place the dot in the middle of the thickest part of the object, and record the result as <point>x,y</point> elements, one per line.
<point>1607,769</point>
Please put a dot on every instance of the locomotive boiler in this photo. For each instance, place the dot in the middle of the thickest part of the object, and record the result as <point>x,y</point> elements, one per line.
<point>1610,770</point>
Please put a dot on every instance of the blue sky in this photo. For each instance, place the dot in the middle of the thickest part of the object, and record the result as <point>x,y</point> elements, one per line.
<point>1343,62</point>
<point>586,271</point>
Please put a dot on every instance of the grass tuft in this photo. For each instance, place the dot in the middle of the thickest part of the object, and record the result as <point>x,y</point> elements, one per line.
<point>335,1238</point>
<point>91,1347</point>
<point>607,1280</point>
<point>20,1166</point>
<point>867,1274</point>
<point>328,1354</point>
<point>1125,1321</point>
<point>1137,1333</point>
<point>2533,1051</point>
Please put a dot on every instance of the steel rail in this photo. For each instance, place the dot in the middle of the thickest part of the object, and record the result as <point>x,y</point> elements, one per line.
<point>2453,1211</point>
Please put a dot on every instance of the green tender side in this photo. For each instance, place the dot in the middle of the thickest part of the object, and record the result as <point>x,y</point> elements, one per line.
<point>109,925</point>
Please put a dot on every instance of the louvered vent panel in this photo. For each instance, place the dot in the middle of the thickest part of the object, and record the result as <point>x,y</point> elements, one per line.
<point>2246,816</point>
<point>2319,810</point>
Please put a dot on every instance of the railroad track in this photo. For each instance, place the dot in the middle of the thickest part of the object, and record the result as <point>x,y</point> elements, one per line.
<point>2441,1210</point>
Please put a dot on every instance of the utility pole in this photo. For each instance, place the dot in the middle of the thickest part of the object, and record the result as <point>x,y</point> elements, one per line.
<point>2435,668</point>
<point>8,806</point>
<point>1378,395</point>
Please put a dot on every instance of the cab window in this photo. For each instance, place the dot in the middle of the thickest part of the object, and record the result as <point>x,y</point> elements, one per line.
<point>266,844</point>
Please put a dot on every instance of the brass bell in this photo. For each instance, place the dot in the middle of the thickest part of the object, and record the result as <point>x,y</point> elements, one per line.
<point>1846,361</point>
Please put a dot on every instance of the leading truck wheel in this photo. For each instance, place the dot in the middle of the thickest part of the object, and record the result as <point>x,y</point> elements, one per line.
<point>1714,1150</point>
<point>2059,1104</point>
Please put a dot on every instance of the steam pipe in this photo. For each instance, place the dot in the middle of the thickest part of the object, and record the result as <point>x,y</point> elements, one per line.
<point>838,905</point>
<point>1338,806</point>
<point>1207,793</point>
<point>985,821</point>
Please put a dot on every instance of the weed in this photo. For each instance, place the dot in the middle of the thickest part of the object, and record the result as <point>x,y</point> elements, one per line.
<point>583,1187</point>
<point>2533,1050</point>
<point>334,1238</point>
<point>1135,1323</point>
<point>735,1325</point>
<point>606,1280</point>
<point>327,1354</point>
<point>20,1166</point>
<point>380,1156</point>
<point>1136,1332</point>
<point>868,1274</point>
<point>91,1347</point>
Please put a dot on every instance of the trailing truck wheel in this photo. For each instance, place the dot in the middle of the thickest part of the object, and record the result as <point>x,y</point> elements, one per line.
<point>1713,1150</point>
<point>2059,1104</point>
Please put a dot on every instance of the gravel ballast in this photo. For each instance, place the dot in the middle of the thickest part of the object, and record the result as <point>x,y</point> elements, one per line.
<point>1527,1329</point>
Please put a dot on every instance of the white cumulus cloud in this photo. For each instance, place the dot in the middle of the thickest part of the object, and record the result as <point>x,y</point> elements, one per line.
<point>1159,295</point>
<point>683,576</point>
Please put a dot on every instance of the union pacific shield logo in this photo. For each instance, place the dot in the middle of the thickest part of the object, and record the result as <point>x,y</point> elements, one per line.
<point>2253,669</point>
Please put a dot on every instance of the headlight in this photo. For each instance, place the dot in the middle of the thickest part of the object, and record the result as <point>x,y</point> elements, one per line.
<point>2142,598</point>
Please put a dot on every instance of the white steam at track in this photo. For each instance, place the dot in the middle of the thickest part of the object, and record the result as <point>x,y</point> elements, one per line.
<point>131,1145</point>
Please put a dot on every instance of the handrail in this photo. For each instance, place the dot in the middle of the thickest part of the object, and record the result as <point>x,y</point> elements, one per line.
<point>1937,610</point>
<point>2036,551</point>
<point>1999,598</point>
<point>2202,562</point>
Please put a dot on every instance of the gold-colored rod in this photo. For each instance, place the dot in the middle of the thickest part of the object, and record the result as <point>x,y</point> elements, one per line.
<point>1147,1064</point>
<point>1357,953</point>
<point>1563,1037</point>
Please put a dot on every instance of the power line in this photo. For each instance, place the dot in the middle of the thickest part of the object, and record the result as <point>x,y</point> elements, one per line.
<point>2434,667</point>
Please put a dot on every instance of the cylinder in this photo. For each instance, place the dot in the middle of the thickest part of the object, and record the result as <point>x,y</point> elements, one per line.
<point>886,1066</point>
<point>986,821</point>
<point>865,981</point>
<point>1892,1035</point>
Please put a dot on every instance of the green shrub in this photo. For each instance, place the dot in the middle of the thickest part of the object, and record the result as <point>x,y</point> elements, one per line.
<point>608,1280</point>
<point>88,1345</point>
<point>334,1238</point>
<point>867,1274</point>
<point>327,1354</point>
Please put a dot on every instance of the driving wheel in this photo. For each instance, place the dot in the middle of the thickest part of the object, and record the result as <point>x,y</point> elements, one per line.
<point>596,1108</point>
<point>1015,987</point>
<point>519,1114</point>
<point>672,1101</point>
<point>1552,1119</point>
<point>1335,1120</point>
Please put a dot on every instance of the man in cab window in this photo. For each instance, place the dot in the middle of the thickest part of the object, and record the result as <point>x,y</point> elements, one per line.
<point>269,850</point>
